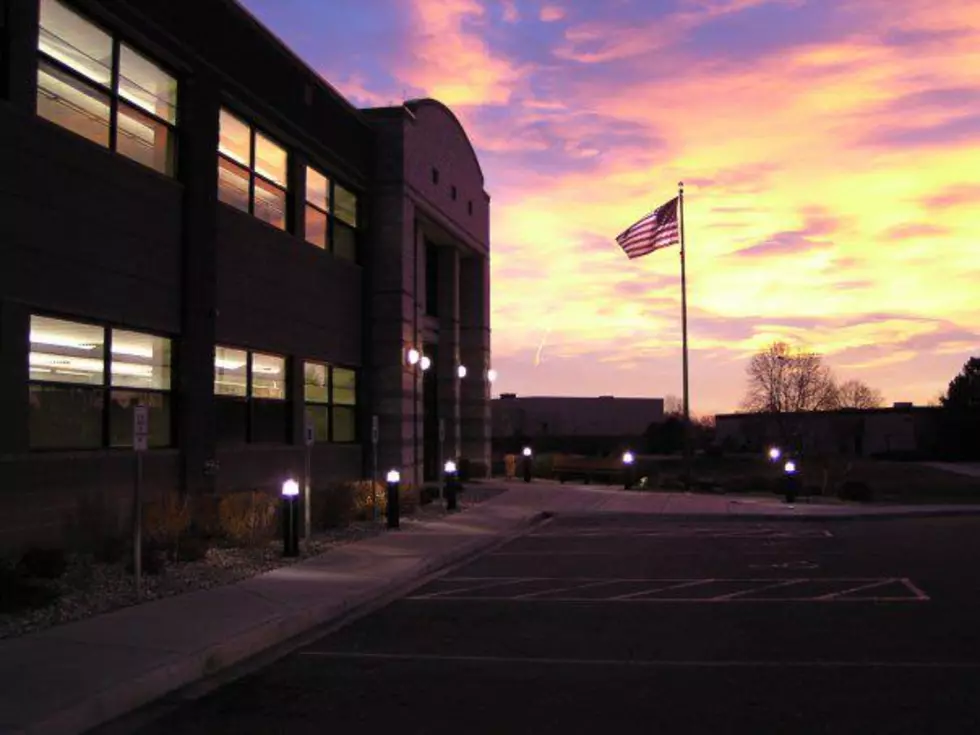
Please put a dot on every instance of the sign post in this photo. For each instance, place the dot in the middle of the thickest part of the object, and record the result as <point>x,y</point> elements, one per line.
<point>375,435</point>
<point>442,440</point>
<point>141,432</point>
<point>308,439</point>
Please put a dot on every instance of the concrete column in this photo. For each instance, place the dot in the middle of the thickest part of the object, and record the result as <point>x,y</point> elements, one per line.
<point>14,373</point>
<point>198,170</point>
<point>474,341</point>
<point>449,354</point>
<point>19,21</point>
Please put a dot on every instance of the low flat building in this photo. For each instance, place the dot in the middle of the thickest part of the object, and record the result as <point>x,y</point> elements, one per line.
<point>901,430</point>
<point>571,424</point>
<point>192,220</point>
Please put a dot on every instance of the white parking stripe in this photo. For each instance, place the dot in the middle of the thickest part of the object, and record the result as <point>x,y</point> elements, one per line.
<point>499,582</point>
<point>641,663</point>
<point>734,595</point>
<point>682,585</point>
<point>553,590</point>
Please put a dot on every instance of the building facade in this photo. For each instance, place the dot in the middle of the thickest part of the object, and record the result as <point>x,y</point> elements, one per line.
<point>192,220</point>
<point>903,430</point>
<point>572,424</point>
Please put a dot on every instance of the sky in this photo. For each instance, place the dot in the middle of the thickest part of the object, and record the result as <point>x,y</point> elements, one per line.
<point>830,151</point>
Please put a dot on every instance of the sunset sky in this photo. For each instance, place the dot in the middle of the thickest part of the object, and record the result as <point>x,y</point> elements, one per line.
<point>830,151</point>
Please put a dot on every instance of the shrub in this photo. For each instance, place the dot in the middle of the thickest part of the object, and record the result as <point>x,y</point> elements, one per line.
<point>247,518</point>
<point>94,528</point>
<point>43,563</point>
<point>18,593</point>
<point>166,521</point>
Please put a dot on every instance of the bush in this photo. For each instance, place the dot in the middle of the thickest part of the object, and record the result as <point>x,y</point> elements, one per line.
<point>247,518</point>
<point>166,521</point>
<point>18,594</point>
<point>43,563</point>
<point>94,528</point>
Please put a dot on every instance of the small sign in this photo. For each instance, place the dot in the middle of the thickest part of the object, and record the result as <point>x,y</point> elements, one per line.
<point>141,428</point>
<point>309,437</point>
<point>375,433</point>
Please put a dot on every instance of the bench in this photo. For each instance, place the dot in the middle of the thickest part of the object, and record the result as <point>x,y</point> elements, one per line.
<point>567,466</point>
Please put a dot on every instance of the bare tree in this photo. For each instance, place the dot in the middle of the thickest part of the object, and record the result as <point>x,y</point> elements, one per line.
<point>855,394</point>
<point>673,406</point>
<point>783,380</point>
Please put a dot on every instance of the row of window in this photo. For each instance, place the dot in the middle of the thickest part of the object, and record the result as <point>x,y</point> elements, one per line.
<point>452,190</point>
<point>93,84</point>
<point>85,380</point>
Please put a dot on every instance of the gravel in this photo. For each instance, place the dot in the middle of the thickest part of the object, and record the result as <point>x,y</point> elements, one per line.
<point>88,588</point>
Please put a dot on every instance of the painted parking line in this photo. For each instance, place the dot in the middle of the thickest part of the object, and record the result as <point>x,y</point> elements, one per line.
<point>638,663</point>
<point>701,590</point>
<point>673,533</point>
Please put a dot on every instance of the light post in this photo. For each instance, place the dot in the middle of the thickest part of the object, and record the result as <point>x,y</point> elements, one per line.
<point>628,463</point>
<point>452,487</point>
<point>290,518</point>
<point>391,511</point>
<point>527,464</point>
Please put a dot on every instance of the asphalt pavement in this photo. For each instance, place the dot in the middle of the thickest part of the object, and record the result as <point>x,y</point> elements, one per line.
<point>606,622</point>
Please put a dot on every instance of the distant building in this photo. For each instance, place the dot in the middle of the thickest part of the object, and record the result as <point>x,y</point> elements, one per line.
<point>587,425</point>
<point>902,430</point>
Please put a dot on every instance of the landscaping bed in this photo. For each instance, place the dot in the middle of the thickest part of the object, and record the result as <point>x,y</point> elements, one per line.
<point>51,587</point>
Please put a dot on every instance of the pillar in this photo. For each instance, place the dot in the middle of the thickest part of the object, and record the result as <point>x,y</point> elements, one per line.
<point>449,351</point>
<point>474,342</point>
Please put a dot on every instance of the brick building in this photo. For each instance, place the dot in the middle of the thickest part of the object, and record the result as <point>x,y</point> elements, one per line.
<point>193,220</point>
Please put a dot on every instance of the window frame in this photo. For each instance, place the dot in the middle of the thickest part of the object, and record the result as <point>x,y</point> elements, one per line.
<point>106,387</point>
<point>330,404</point>
<point>113,92</point>
<point>251,168</point>
<point>249,399</point>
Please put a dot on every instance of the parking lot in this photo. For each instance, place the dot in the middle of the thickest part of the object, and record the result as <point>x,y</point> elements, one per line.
<point>628,623</point>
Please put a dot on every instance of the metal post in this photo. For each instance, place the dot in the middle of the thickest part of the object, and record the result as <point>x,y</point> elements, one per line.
<point>138,525</point>
<point>307,470</point>
<point>375,435</point>
<point>687,407</point>
<point>442,439</point>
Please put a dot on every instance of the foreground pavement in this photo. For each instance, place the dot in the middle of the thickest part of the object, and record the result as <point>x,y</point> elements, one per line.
<point>74,677</point>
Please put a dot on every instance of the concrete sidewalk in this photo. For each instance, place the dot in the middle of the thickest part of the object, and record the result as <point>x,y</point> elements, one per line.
<point>73,677</point>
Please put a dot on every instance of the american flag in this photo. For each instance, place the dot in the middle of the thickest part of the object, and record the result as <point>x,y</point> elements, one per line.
<point>657,230</point>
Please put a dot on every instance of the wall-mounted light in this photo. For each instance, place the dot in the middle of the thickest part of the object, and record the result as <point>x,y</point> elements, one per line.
<point>425,362</point>
<point>461,371</point>
<point>413,356</point>
<point>491,375</point>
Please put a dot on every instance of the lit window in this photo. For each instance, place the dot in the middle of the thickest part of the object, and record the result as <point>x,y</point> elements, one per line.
<point>317,208</point>
<point>77,79</point>
<point>251,396</point>
<point>316,394</point>
<point>345,208</point>
<point>252,171</point>
<point>330,395</point>
<point>75,381</point>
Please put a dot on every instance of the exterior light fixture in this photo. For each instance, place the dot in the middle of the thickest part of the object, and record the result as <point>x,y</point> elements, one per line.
<point>775,453</point>
<point>628,457</point>
<point>290,518</point>
<point>461,371</point>
<point>413,356</point>
<point>394,476</point>
<point>391,511</point>
<point>491,375</point>
<point>449,467</point>
<point>527,451</point>
<point>790,467</point>
<point>425,362</point>
<point>290,489</point>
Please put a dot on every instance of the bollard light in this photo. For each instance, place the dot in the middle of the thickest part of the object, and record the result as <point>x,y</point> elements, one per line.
<point>391,511</point>
<point>527,451</point>
<point>527,464</point>
<point>451,481</point>
<point>790,467</point>
<point>290,518</point>
<point>628,460</point>
<point>413,356</point>
<point>775,453</point>
<point>791,482</point>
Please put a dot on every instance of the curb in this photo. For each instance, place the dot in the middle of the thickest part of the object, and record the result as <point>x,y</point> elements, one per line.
<point>126,697</point>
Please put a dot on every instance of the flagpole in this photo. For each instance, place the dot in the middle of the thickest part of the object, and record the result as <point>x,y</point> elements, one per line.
<point>687,405</point>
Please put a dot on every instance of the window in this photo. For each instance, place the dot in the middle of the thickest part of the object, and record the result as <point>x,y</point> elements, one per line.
<point>86,379</point>
<point>331,215</point>
<point>251,171</point>
<point>250,390</point>
<point>98,87</point>
<point>330,395</point>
